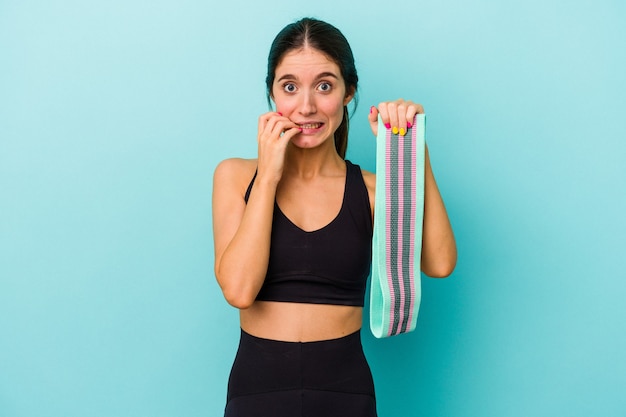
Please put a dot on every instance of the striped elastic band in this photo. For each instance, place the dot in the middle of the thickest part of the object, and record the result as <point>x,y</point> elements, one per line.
<point>397,243</point>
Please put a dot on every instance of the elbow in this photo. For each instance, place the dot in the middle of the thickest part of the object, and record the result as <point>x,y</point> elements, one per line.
<point>236,296</point>
<point>239,301</point>
<point>442,271</point>
<point>443,268</point>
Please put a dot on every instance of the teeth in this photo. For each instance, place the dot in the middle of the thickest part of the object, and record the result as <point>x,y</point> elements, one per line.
<point>310,125</point>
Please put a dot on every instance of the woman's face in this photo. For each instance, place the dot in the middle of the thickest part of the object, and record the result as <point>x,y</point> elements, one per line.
<point>309,90</point>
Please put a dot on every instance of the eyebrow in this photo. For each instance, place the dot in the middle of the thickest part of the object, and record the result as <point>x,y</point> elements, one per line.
<point>319,76</point>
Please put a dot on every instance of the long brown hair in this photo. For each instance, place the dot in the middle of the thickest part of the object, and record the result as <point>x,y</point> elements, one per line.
<point>327,39</point>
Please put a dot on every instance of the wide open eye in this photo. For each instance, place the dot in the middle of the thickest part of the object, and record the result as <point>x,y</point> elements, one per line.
<point>289,87</point>
<point>325,87</point>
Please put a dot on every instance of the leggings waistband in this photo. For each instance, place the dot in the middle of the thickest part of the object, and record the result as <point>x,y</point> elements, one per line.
<point>351,337</point>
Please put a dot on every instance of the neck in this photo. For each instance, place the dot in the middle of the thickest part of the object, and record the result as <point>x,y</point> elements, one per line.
<point>307,163</point>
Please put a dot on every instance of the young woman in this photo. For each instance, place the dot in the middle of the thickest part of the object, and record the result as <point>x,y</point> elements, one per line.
<point>293,232</point>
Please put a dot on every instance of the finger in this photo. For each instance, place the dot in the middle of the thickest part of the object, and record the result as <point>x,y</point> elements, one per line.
<point>372,117</point>
<point>266,122</point>
<point>402,117</point>
<point>263,122</point>
<point>289,134</point>
<point>412,110</point>
<point>392,109</point>
<point>384,114</point>
<point>281,126</point>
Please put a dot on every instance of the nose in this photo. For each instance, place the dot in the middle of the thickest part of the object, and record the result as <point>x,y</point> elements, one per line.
<point>307,105</point>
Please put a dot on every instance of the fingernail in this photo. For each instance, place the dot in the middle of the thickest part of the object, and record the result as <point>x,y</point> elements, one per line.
<point>279,113</point>
<point>372,109</point>
<point>409,125</point>
<point>402,131</point>
<point>394,130</point>
<point>388,125</point>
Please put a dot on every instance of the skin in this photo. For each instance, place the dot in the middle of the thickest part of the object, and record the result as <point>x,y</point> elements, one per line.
<point>299,168</point>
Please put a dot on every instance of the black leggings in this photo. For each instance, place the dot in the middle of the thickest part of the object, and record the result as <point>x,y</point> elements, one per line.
<point>329,378</point>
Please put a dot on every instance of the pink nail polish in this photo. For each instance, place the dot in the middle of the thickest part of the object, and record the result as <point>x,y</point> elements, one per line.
<point>372,109</point>
<point>388,125</point>
<point>409,125</point>
<point>279,113</point>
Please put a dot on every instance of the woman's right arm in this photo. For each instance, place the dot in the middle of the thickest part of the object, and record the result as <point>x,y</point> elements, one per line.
<point>242,231</point>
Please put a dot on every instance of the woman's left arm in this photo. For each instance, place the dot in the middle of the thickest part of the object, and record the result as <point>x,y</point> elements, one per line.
<point>438,245</point>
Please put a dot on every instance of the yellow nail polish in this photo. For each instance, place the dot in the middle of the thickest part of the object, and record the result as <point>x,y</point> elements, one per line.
<point>402,131</point>
<point>394,130</point>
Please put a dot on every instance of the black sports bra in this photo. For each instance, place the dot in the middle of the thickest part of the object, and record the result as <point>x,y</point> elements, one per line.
<point>326,266</point>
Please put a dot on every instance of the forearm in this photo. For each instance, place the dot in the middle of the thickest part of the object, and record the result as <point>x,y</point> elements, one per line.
<point>438,245</point>
<point>242,266</point>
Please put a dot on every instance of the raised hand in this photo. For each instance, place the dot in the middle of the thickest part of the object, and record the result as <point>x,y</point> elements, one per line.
<point>275,132</point>
<point>397,115</point>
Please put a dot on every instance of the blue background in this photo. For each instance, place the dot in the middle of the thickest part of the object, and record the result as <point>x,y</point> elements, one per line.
<point>114,114</point>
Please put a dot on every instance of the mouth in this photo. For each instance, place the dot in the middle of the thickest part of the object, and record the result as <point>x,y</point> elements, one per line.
<point>310,125</point>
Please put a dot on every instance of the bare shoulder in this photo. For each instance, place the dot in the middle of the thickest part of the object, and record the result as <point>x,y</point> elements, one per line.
<point>234,173</point>
<point>236,165</point>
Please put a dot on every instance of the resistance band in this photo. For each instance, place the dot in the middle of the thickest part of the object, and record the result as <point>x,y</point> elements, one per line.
<point>397,243</point>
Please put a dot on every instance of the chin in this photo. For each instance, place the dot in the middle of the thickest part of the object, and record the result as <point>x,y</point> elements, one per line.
<point>307,141</point>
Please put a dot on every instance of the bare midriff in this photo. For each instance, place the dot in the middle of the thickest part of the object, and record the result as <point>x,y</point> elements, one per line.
<point>300,322</point>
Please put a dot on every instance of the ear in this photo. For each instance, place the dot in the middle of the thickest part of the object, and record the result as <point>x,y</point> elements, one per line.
<point>349,96</point>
